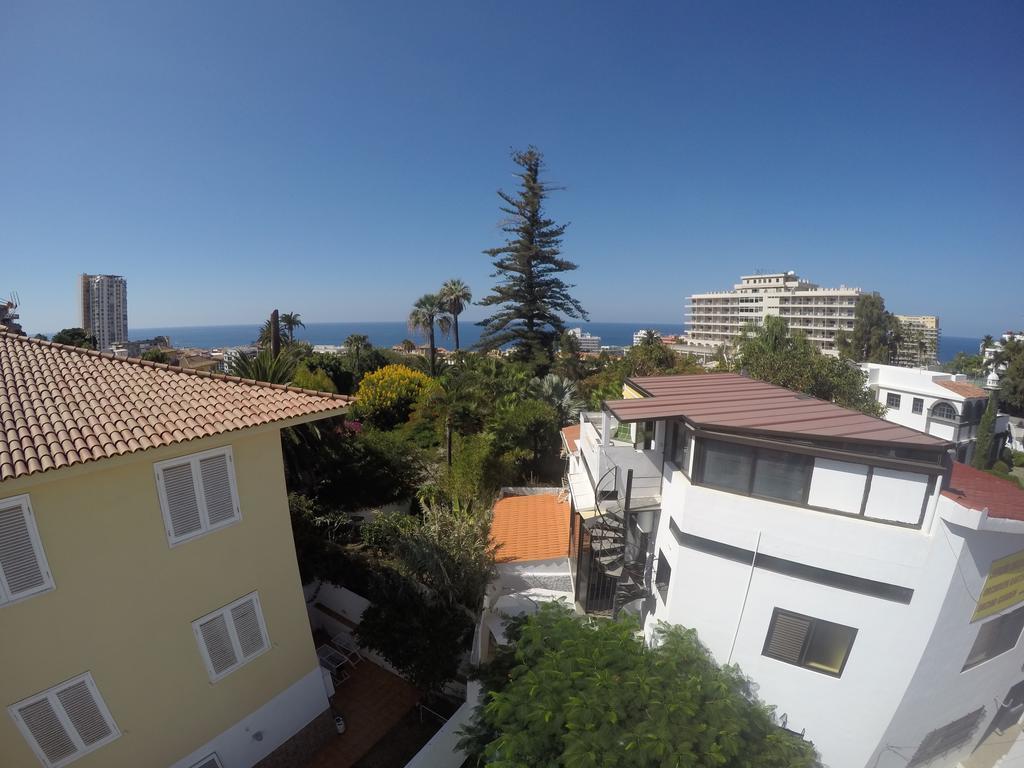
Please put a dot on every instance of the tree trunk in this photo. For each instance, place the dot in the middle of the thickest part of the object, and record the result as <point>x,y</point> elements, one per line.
<point>455,326</point>
<point>433,352</point>
<point>275,334</point>
<point>448,437</point>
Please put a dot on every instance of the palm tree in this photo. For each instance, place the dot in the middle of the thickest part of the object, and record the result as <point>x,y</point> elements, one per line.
<point>265,367</point>
<point>355,345</point>
<point>987,342</point>
<point>290,321</point>
<point>454,296</point>
<point>650,337</point>
<point>561,394</point>
<point>424,314</point>
<point>408,345</point>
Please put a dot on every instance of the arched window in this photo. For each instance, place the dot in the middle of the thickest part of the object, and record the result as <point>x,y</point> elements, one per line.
<point>944,411</point>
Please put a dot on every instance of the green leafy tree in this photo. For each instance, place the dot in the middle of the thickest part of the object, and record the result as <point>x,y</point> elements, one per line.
<point>640,360</point>
<point>289,322</point>
<point>408,346</point>
<point>41,337</point>
<point>876,334</point>
<point>422,318</point>
<point>74,337</point>
<point>312,378</point>
<point>569,362</point>
<point>530,297</point>
<point>266,333</point>
<point>984,444</point>
<point>455,296</point>
<point>771,353</point>
<point>336,367</point>
<point>526,434</point>
<point>156,355</point>
<point>385,398</point>
<point>972,365</point>
<point>1011,377</point>
<point>568,691</point>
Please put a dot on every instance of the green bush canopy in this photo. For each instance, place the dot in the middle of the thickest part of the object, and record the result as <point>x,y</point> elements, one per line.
<point>580,693</point>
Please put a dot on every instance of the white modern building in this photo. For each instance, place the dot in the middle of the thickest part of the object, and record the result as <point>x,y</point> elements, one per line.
<point>638,336</point>
<point>942,404</point>
<point>920,345</point>
<point>866,583</point>
<point>104,308</point>
<point>719,317</point>
<point>587,342</point>
<point>989,352</point>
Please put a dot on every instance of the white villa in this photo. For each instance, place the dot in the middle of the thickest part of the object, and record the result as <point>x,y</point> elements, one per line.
<point>866,582</point>
<point>942,404</point>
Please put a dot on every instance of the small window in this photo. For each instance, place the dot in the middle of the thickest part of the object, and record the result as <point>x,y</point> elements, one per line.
<point>944,411</point>
<point>892,400</point>
<point>947,738</point>
<point>996,637</point>
<point>231,636</point>
<point>645,435</point>
<point>681,441</point>
<point>23,568</point>
<point>811,643</point>
<point>918,405</point>
<point>66,722</point>
<point>664,576</point>
<point>197,494</point>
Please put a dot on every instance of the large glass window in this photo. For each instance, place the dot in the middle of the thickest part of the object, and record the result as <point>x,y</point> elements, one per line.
<point>681,441</point>
<point>996,637</point>
<point>727,465</point>
<point>781,475</point>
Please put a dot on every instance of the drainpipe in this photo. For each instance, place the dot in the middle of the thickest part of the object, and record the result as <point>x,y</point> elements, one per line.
<point>605,428</point>
<point>746,593</point>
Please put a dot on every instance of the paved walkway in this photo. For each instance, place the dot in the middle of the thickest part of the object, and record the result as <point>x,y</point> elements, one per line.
<point>372,701</point>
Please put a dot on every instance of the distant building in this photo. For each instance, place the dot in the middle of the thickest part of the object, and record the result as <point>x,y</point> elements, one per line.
<point>104,308</point>
<point>333,349</point>
<point>139,347</point>
<point>719,317</point>
<point>229,355</point>
<point>990,351</point>
<point>587,341</point>
<point>920,345</point>
<point>9,317</point>
<point>638,336</point>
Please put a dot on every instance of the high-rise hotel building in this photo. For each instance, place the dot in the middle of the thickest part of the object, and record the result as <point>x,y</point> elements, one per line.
<point>719,317</point>
<point>920,344</point>
<point>104,308</point>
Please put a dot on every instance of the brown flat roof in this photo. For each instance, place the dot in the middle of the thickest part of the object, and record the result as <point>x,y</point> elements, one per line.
<point>735,403</point>
<point>974,489</point>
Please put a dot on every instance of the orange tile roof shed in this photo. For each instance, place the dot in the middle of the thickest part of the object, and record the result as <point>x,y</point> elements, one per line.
<point>534,527</point>
<point>62,405</point>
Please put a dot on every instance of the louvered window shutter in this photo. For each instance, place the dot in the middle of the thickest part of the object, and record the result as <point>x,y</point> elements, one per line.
<point>23,567</point>
<point>182,502</point>
<point>215,472</point>
<point>66,722</point>
<point>787,637</point>
<point>247,628</point>
<point>217,640</point>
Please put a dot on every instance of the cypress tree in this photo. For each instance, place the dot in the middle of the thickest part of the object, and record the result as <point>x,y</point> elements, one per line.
<point>986,434</point>
<point>530,296</point>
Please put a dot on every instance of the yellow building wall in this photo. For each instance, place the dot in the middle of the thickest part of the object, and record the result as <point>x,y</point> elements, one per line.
<point>125,601</point>
<point>628,393</point>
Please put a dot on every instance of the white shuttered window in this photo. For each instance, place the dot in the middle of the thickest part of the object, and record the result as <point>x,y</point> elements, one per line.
<point>23,568</point>
<point>65,722</point>
<point>231,636</point>
<point>197,493</point>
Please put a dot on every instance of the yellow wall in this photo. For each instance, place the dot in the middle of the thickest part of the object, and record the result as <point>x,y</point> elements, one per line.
<point>628,393</point>
<point>124,604</point>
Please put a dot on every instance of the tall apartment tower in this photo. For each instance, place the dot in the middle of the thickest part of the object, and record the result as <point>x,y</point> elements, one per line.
<point>920,345</point>
<point>104,308</point>
<point>719,317</point>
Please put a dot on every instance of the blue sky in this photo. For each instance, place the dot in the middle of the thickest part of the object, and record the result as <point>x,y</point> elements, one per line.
<point>340,159</point>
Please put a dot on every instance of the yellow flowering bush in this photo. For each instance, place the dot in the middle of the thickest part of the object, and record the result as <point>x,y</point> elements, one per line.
<point>385,397</point>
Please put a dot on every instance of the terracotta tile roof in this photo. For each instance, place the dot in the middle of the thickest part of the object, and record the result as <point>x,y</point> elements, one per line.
<point>974,489</point>
<point>962,388</point>
<point>731,402</point>
<point>534,527</point>
<point>571,437</point>
<point>62,405</point>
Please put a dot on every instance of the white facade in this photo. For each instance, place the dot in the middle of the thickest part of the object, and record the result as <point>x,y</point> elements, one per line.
<point>719,317</point>
<point>104,308</point>
<point>884,568</point>
<point>942,404</point>
<point>638,336</point>
<point>587,341</point>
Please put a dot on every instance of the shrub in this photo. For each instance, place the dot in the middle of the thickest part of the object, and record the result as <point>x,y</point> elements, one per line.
<point>383,532</point>
<point>1018,458</point>
<point>385,397</point>
<point>1000,468</point>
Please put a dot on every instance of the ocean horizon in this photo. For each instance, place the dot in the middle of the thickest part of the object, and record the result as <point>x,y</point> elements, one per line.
<point>390,333</point>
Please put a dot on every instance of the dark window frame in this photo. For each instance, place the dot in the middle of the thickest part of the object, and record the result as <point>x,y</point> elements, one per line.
<point>757,451</point>
<point>893,400</point>
<point>808,639</point>
<point>996,624</point>
<point>663,577</point>
<point>679,430</point>
<point>917,406</point>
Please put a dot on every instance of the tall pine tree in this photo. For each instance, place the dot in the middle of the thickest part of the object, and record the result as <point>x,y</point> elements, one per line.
<point>530,296</point>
